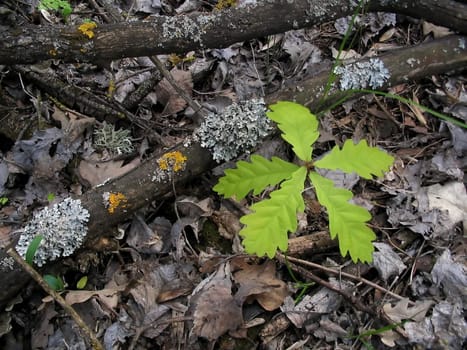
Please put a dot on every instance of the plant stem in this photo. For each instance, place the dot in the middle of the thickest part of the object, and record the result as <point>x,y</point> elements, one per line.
<point>95,343</point>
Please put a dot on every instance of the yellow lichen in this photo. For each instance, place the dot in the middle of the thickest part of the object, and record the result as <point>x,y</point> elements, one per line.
<point>87,29</point>
<point>174,161</point>
<point>116,200</point>
<point>53,52</point>
<point>111,89</point>
<point>222,4</point>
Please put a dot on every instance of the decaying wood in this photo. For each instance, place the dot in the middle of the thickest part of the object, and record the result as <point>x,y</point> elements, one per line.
<point>140,189</point>
<point>310,244</point>
<point>74,97</point>
<point>180,34</point>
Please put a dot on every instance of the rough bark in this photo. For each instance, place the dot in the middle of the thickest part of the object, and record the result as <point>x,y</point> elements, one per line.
<point>430,58</point>
<point>163,35</point>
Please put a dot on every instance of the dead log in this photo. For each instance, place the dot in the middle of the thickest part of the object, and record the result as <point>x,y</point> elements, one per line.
<point>140,186</point>
<point>180,34</point>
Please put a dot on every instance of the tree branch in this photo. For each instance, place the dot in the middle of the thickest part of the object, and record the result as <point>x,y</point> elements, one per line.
<point>180,34</point>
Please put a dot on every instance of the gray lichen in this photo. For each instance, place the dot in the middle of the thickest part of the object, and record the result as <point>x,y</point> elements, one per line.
<point>239,128</point>
<point>184,27</point>
<point>7,264</point>
<point>62,227</point>
<point>114,141</point>
<point>361,75</point>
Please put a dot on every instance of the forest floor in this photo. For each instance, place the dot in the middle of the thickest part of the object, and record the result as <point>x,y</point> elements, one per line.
<point>176,276</point>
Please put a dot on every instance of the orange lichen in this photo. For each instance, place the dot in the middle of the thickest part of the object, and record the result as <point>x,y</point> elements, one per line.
<point>116,200</point>
<point>87,29</point>
<point>174,161</point>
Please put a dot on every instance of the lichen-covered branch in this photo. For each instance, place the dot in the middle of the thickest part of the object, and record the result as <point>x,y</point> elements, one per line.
<point>180,34</point>
<point>117,200</point>
<point>402,65</point>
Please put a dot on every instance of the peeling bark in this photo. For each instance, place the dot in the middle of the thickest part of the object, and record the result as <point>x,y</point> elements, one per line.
<point>180,34</point>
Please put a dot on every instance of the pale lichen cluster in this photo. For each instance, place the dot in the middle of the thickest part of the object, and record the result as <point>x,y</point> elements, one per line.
<point>362,75</point>
<point>63,228</point>
<point>114,141</point>
<point>7,264</point>
<point>182,27</point>
<point>237,130</point>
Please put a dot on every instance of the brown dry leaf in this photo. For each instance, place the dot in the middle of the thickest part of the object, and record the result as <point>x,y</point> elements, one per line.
<point>213,307</point>
<point>389,338</point>
<point>44,327</point>
<point>438,31</point>
<point>108,296</point>
<point>258,282</point>
<point>402,310</point>
<point>6,236</point>
<point>167,95</point>
<point>73,125</point>
<point>98,173</point>
<point>227,222</point>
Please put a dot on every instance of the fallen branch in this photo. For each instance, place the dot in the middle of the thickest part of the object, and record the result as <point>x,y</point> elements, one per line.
<point>180,34</point>
<point>140,186</point>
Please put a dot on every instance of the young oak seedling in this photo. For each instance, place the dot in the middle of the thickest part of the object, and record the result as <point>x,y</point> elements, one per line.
<point>266,228</point>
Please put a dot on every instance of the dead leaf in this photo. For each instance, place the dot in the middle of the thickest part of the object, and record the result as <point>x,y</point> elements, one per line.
<point>227,222</point>
<point>44,327</point>
<point>97,173</point>
<point>438,31</point>
<point>259,282</point>
<point>148,239</point>
<point>389,338</point>
<point>45,154</point>
<point>167,95</point>
<point>311,307</point>
<point>387,261</point>
<point>213,307</point>
<point>73,124</point>
<point>451,275</point>
<point>108,296</point>
<point>402,310</point>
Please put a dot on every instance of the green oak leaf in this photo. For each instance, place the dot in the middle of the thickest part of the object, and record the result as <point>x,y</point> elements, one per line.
<point>62,6</point>
<point>254,176</point>
<point>359,158</point>
<point>267,226</point>
<point>347,221</point>
<point>298,125</point>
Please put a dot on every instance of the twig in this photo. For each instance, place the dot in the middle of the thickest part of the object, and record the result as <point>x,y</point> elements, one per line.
<point>167,75</point>
<point>313,277</point>
<point>95,343</point>
<point>283,259</point>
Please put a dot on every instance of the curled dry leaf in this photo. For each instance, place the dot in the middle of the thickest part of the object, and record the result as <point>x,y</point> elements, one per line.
<point>259,282</point>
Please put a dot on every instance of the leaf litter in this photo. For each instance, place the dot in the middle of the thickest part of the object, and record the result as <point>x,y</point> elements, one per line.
<point>168,285</point>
